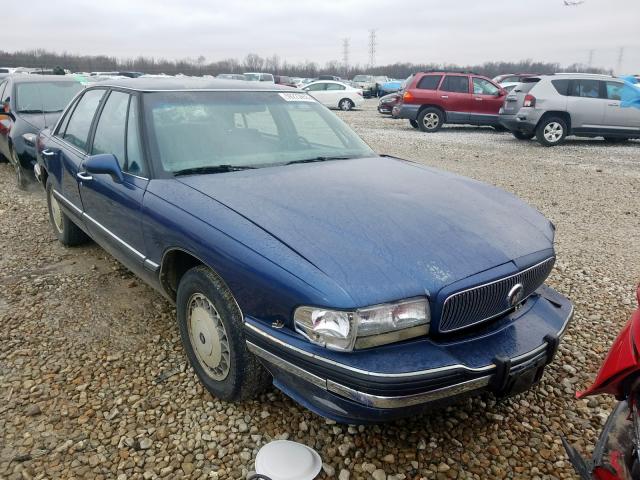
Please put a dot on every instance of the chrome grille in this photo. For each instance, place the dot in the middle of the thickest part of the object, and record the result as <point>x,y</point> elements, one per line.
<point>488,301</point>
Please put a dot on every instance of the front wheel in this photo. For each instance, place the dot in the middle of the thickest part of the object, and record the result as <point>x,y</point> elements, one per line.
<point>345,104</point>
<point>551,131</point>
<point>523,136</point>
<point>430,120</point>
<point>211,328</point>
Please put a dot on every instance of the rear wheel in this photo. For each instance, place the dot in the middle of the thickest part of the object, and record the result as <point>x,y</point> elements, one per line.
<point>523,136</point>
<point>430,120</point>
<point>551,131</point>
<point>68,233</point>
<point>499,128</point>
<point>615,139</point>
<point>345,104</point>
<point>212,332</point>
<point>414,123</point>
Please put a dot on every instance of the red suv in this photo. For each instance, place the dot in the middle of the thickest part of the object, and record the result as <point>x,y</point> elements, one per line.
<point>435,98</point>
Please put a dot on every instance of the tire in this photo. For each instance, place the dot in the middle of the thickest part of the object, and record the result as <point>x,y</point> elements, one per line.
<point>430,120</point>
<point>211,328</point>
<point>345,105</point>
<point>615,139</point>
<point>523,136</point>
<point>551,131</point>
<point>67,232</point>
<point>414,123</point>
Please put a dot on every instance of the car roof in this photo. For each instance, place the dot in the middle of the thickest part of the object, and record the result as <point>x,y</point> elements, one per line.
<point>172,83</point>
<point>32,78</point>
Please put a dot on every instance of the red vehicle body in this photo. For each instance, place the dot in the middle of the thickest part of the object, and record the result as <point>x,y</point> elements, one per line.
<point>432,99</point>
<point>616,453</point>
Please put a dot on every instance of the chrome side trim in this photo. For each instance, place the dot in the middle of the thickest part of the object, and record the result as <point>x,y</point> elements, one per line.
<point>366,372</point>
<point>113,235</point>
<point>68,203</point>
<point>378,401</point>
<point>287,366</point>
<point>151,265</point>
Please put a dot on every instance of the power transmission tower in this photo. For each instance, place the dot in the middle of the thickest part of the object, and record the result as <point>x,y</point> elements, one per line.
<point>620,57</point>
<point>345,54</point>
<point>590,63</point>
<point>372,47</point>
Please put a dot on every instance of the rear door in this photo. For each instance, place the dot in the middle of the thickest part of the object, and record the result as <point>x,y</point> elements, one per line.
<point>318,91</point>
<point>455,98</point>
<point>586,106</point>
<point>487,101</point>
<point>334,92</point>
<point>112,209</point>
<point>625,120</point>
<point>70,144</point>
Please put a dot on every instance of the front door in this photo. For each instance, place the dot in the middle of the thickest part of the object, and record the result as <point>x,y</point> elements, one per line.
<point>487,100</point>
<point>111,207</point>
<point>625,120</point>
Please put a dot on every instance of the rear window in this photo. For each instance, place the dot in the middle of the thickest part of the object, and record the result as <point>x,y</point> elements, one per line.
<point>585,88</point>
<point>457,84</point>
<point>526,85</point>
<point>561,86</point>
<point>429,82</point>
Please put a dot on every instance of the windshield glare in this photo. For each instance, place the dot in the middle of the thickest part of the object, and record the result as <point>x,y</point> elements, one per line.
<point>190,130</point>
<point>45,96</point>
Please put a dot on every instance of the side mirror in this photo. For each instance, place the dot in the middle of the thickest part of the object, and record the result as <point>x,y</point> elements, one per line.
<point>501,93</point>
<point>104,163</point>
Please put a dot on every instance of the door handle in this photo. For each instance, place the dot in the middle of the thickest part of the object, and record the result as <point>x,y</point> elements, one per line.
<point>48,153</point>
<point>614,104</point>
<point>83,176</point>
<point>479,99</point>
<point>445,96</point>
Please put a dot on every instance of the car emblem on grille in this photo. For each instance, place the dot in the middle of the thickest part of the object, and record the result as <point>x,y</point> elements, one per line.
<point>514,297</point>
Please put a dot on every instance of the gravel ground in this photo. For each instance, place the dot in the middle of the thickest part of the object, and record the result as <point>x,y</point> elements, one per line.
<point>94,382</point>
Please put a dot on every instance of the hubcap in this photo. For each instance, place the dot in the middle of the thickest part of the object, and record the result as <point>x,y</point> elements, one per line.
<point>56,212</point>
<point>208,337</point>
<point>431,120</point>
<point>553,132</point>
<point>344,105</point>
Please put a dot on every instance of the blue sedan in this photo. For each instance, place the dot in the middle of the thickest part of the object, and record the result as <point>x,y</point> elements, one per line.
<point>363,286</point>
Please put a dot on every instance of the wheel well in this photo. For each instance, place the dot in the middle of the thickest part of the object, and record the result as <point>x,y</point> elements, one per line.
<point>45,176</point>
<point>564,115</point>
<point>175,263</point>
<point>423,107</point>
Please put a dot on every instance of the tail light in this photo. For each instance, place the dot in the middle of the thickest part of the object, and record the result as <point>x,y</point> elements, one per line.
<point>529,101</point>
<point>407,96</point>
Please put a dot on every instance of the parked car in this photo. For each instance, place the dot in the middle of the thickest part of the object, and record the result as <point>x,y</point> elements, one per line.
<point>366,83</point>
<point>284,80</point>
<point>550,107</point>
<point>29,104</point>
<point>380,80</point>
<point>259,77</point>
<point>368,286</point>
<point>5,72</point>
<point>335,94</point>
<point>329,77</point>
<point>432,99</point>
<point>231,76</point>
<point>386,103</point>
<point>391,86</point>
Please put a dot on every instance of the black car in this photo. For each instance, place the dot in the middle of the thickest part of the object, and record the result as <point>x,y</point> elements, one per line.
<point>386,103</point>
<point>29,104</point>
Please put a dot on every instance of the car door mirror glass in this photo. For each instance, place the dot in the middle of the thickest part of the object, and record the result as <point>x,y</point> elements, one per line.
<point>104,163</point>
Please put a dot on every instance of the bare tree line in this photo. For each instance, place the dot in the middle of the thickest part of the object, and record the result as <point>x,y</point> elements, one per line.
<point>41,58</point>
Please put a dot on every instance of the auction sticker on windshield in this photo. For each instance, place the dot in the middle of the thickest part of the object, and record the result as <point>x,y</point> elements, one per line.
<point>296,97</point>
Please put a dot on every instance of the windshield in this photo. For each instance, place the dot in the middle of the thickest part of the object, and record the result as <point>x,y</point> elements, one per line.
<point>362,78</point>
<point>45,97</point>
<point>197,130</point>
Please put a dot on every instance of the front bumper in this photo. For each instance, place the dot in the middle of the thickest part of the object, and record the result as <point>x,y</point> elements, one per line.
<point>385,108</point>
<point>400,380</point>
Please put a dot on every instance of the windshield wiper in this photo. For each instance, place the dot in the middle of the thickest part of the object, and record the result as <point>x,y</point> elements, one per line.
<point>31,111</point>
<point>316,159</point>
<point>212,169</point>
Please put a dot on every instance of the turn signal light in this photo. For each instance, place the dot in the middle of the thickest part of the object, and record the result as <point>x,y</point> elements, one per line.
<point>529,101</point>
<point>407,97</point>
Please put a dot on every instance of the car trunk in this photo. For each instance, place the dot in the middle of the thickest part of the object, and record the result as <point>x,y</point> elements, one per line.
<point>515,100</point>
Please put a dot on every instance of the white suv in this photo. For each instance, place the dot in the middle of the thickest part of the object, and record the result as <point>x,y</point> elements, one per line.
<point>550,107</point>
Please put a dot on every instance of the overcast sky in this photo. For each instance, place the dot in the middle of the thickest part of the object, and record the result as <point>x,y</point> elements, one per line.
<point>454,31</point>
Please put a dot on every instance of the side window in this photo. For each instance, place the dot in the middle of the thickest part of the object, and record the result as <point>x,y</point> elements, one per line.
<point>561,86</point>
<point>614,90</point>
<point>585,88</point>
<point>316,87</point>
<point>334,86</point>
<point>484,87</point>
<point>429,82</point>
<point>110,132</point>
<point>77,130</point>
<point>135,163</point>
<point>455,83</point>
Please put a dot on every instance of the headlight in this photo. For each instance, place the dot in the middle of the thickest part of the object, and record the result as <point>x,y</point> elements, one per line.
<point>365,327</point>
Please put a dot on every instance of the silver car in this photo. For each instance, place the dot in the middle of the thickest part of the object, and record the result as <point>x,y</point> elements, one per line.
<point>550,107</point>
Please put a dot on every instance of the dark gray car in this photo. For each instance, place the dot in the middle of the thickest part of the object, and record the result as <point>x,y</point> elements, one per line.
<point>550,107</point>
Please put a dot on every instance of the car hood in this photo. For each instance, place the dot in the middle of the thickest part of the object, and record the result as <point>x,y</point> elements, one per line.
<point>383,226</point>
